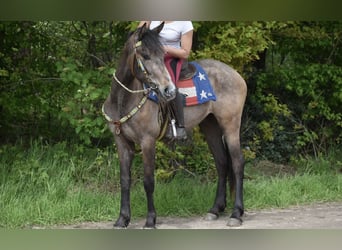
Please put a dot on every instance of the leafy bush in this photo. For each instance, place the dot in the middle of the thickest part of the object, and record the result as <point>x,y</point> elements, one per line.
<point>88,90</point>
<point>294,107</point>
<point>313,124</point>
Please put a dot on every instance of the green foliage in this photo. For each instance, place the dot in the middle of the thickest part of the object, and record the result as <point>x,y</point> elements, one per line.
<point>331,162</point>
<point>303,74</point>
<point>88,89</point>
<point>268,128</point>
<point>29,90</point>
<point>43,65</point>
<point>316,120</point>
<point>235,43</point>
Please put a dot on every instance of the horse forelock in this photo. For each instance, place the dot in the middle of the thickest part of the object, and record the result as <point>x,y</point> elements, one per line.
<point>150,40</point>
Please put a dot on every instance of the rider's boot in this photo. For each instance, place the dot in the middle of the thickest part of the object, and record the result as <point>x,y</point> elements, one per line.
<point>178,108</point>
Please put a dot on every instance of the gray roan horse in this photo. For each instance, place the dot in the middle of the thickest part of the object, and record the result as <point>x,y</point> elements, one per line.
<point>135,120</point>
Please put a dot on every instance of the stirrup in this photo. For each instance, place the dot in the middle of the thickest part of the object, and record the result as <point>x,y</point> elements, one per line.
<point>175,132</point>
<point>181,134</point>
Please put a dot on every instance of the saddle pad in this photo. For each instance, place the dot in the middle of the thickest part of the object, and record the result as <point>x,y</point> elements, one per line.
<point>197,90</point>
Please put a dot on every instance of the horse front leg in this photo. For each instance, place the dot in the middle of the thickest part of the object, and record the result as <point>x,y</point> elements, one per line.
<point>126,155</point>
<point>148,151</point>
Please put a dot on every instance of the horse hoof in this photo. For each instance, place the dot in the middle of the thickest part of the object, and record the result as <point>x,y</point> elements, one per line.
<point>149,225</point>
<point>211,217</point>
<point>119,227</point>
<point>234,222</point>
<point>121,224</point>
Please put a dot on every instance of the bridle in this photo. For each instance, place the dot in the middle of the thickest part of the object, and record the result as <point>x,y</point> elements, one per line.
<point>147,76</point>
<point>147,81</point>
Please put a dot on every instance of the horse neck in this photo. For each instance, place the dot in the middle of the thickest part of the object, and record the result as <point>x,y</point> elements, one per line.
<point>121,98</point>
<point>124,73</point>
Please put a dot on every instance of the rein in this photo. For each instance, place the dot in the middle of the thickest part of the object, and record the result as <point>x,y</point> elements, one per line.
<point>145,91</point>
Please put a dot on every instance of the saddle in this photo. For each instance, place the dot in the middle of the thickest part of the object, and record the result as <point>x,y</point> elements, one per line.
<point>188,70</point>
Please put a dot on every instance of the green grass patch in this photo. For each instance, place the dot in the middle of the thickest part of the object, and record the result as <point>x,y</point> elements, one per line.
<point>46,185</point>
<point>280,192</point>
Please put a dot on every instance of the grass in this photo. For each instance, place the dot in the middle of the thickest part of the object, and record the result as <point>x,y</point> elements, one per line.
<point>64,184</point>
<point>295,190</point>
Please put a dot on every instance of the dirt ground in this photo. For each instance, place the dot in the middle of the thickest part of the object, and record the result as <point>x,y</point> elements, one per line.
<point>315,216</point>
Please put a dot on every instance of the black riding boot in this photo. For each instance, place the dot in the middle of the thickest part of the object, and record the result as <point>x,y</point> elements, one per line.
<point>177,106</point>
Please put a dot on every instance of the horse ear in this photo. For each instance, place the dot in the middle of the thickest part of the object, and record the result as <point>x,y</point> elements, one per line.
<point>159,27</point>
<point>141,30</point>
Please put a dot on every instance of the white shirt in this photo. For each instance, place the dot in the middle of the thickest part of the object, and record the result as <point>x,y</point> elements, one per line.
<point>172,32</point>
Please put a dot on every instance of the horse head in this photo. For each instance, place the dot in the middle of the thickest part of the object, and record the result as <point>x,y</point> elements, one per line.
<point>147,61</point>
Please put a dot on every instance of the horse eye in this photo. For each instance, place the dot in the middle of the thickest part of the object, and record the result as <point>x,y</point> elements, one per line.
<point>146,57</point>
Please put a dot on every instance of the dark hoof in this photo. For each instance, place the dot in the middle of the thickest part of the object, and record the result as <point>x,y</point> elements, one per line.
<point>234,222</point>
<point>119,226</point>
<point>150,221</point>
<point>121,223</point>
<point>211,217</point>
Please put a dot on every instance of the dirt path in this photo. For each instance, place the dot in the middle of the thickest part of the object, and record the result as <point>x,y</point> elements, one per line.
<point>320,216</point>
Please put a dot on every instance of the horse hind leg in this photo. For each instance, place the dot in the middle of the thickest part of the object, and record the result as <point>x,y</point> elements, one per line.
<point>235,173</point>
<point>213,135</point>
<point>230,172</point>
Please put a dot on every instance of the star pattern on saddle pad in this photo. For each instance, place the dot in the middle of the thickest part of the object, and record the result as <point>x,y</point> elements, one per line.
<point>203,95</point>
<point>201,76</point>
